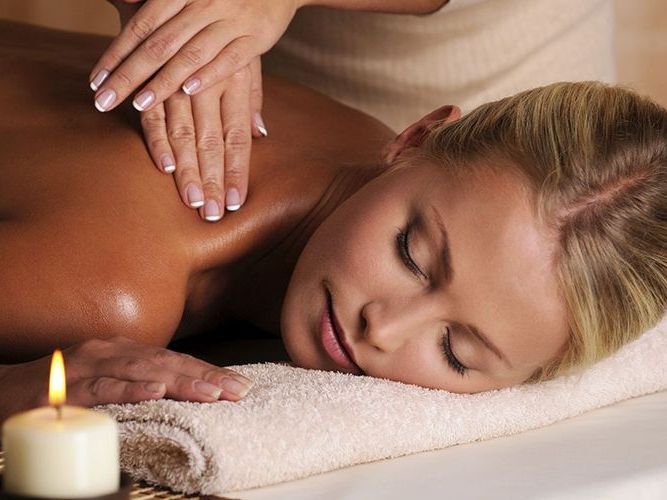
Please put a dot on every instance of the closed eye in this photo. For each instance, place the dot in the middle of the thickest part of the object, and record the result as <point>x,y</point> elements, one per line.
<point>403,245</point>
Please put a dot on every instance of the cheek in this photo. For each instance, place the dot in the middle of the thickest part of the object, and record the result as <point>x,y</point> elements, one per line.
<point>421,363</point>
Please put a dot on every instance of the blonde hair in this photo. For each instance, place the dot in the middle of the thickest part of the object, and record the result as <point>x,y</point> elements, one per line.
<point>596,159</point>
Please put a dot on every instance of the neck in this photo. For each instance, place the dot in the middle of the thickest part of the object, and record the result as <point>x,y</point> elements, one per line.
<point>251,286</point>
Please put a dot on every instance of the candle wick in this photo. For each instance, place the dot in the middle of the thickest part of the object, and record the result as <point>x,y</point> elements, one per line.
<point>59,409</point>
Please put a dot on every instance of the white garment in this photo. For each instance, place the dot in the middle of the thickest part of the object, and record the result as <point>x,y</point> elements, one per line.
<point>400,67</point>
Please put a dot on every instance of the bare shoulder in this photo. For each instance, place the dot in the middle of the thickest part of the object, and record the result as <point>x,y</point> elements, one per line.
<point>319,125</point>
<point>62,285</point>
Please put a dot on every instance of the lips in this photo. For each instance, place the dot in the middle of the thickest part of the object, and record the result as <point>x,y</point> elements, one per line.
<point>333,339</point>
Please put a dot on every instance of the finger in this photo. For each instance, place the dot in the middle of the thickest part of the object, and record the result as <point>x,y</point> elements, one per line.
<point>117,346</point>
<point>257,98</point>
<point>181,134</point>
<point>210,147</point>
<point>185,376</point>
<point>152,54</point>
<point>136,369</point>
<point>154,125</point>
<point>104,390</point>
<point>143,24</point>
<point>198,51</point>
<point>236,55</point>
<point>234,385</point>
<point>236,119</point>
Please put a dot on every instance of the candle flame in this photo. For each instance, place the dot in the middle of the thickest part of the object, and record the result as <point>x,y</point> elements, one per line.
<point>57,382</point>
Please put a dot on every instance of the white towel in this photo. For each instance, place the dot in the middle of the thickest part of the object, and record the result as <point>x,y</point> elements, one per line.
<point>297,422</point>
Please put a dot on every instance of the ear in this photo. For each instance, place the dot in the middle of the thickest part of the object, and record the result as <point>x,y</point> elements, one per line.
<point>413,136</point>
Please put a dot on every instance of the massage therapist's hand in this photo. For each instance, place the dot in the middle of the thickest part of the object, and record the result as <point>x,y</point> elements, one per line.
<point>191,44</point>
<point>118,370</point>
<point>205,141</point>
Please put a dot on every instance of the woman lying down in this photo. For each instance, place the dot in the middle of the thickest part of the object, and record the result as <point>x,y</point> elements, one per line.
<point>524,240</point>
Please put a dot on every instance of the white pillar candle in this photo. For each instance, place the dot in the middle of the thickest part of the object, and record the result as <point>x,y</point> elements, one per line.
<point>60,451</point>
<point>74,456</point>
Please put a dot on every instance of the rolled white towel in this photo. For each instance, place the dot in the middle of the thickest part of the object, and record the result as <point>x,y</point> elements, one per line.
<point>297,422</point>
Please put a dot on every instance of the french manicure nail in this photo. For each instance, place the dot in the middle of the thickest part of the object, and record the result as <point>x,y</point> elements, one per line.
<point>105,100</point>
<point>101,75</point>
<point>154,387</point>
<point>143,100</point>
<point>212,211</point>
<point>191,85</point>
<point>195,196</point>
<point>236,385</point>
<point>260,125</point>
<point>207,389</point>
<point>233,199</point>
<point>168,164</point>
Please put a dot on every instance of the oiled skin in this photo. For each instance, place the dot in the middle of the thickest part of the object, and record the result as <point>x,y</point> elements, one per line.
<point>94,240</point>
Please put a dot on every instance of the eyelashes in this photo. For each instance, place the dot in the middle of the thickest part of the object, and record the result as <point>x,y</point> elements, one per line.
<point>403,246</point>
<point>452,360</point>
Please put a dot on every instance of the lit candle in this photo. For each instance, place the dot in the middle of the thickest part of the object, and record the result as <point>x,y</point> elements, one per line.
<point>60,451</point>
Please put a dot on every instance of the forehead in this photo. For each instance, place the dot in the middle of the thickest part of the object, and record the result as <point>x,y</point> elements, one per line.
<point>505,280</point>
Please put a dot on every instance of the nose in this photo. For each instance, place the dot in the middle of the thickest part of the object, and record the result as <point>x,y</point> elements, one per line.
<point>388,326</point>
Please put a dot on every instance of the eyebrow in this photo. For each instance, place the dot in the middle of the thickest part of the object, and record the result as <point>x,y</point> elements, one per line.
<point>449,276</point>
<point>446,259</point>
<point>485,340</point>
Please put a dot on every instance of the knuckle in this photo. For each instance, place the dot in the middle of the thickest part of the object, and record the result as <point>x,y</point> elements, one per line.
<point>165,81</point>
<point>234,171</point>
<point>210,142</point>
<point>182,133</point>
<point>140,27</point>
<point>91,346</point>
<point>211,187</point>
<point>191,55</point>
<point>133,366</point>
<point>185,383</point>
<point>235,58</point>
<point>186,174</point>
<point>100,386</point>
<point>256,92</point>
<point>241,78</point>
<point>159,47</point>
<point>157,144</point>
<point>123,78</point>
<point>162,356</point>
<point>152,119</point>
<point>237,138</point>
<point>212,375</point>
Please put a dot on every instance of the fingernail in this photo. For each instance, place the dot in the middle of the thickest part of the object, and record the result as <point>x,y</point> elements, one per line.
<point>101,75</point>
<point>207,389</point>
<point>195,196</point>
<point>154,387</point>
<point>143,100</point>
<point>105,100</point>
<point>212,211</point>
<point>233,199</point>
<point>191,85</point>
<point>168,164</point>
<point>236,385</point>
<point>260,124</point>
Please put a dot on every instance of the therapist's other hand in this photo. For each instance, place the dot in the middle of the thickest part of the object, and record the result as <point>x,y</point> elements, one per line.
<point>119,370</point>
<point>191,44</point>
<point>205,141</point>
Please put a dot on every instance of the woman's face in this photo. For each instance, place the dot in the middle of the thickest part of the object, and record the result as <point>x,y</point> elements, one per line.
<point>429,280</point>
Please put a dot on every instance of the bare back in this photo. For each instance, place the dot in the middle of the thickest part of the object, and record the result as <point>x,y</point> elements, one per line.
<point>94,240</point>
